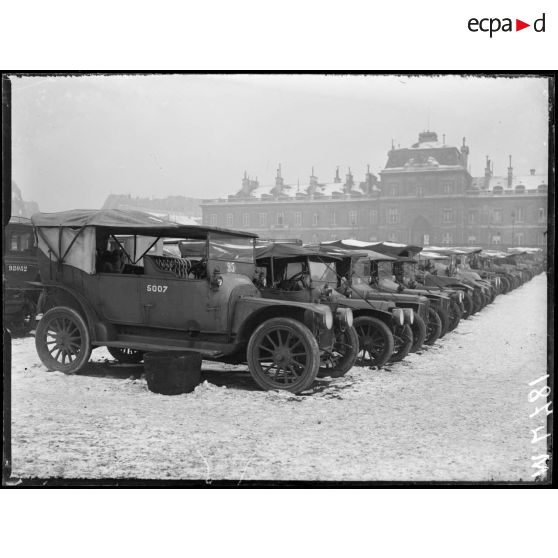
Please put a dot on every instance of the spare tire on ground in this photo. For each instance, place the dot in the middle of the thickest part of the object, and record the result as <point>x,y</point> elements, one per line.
<point>172,373</point>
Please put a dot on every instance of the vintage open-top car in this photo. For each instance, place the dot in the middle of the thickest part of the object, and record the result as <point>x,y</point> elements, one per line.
<point>107,280</point>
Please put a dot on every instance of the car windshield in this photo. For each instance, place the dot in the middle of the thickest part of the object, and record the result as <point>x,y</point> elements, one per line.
<point>231,248</point>
<point>323,272</point>
<point>361,272</point>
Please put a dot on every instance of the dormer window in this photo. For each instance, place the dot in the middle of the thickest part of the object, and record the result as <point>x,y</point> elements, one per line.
<point>543,188</point>
<point>497,190</point>
<point>520,189</point>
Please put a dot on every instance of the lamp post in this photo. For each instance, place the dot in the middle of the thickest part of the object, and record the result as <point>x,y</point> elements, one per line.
<point>513,227</point>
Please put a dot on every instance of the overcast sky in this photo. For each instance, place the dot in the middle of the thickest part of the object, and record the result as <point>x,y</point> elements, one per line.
<point>77,140</point>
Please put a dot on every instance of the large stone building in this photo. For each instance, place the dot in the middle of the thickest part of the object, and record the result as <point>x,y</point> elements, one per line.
<point>425,195</point>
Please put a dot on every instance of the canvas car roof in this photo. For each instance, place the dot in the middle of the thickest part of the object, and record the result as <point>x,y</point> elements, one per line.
<point>360,253</point>
<point>389,248</point>
<point>281,250</point>
<point>127,222</point>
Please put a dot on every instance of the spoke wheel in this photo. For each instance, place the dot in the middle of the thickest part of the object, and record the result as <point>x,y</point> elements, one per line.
<point>126,356</point>
<point>433,327</point>
<point>419,333</point>
<point>375,341</point>
<point>283,354</point>
<point>343,356</point>
<point>403,341</point>
<point>62,340</point>
<point>454,315</point>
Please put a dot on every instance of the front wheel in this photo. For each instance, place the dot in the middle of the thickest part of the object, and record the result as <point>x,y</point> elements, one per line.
<point>283,354</point>
<point>375,341</point>
<point>419,333</point>
<point>454,315</point>
<point>433,327</point>
<point>62,340</point>
<point>403,341</point>
<point>342,358</point>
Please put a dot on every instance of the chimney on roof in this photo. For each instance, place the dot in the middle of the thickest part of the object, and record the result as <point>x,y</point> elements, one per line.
<point>510,173</point>
<point>532,171</point>
<point>443,139</point>
<point>464,155</point>
<point>487,173</point>
<point>337,178</point>
<point>279,179</point>
<point>313,179</point>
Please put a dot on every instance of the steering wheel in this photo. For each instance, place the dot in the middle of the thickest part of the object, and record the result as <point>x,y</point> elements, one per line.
<point>298,279</point>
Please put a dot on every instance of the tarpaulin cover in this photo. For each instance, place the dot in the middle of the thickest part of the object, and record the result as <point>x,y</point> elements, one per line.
<point>360,253</point>
<point>389,248</point>
<point>280,250</point>
<point>125,221</point>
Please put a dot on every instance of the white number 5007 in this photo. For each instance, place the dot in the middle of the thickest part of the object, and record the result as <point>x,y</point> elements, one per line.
<point>157,288</point>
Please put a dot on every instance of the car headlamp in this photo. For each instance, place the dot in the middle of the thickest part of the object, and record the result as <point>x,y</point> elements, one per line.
<point>328,318</point>
<point>409,315</point>
<point>345,316</point>
<point>398,316</point>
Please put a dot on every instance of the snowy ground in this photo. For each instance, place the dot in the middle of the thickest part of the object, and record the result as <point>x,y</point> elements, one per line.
<point>458,411</point>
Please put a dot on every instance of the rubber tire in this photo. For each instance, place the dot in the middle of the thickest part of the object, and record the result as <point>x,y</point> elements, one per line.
<point>454,315</point>
<point>403,337</point>
<point>310,346</point>
<point>170,373</point>
<point>133,357</point>
<point>386,335</point>
<point>41,336</point>
<point>477,302</point>
<point>468,305</point>
<point>444,318</point>
<point>433,327</point>
<point>347,361</point>
<point>419,333</point>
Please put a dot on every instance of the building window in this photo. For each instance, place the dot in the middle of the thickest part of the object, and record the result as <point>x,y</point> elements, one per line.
<point>496,216</point>
<point>542,215</point>
<point>447,215</point>
<point>447,238</point>
<point>334,218</point>
<point>393,236</point>
<point>518,215</point>
<point>473,217</point>
<point>498,190</point>
<point>472,240</point>
<point>447,187</point>
<point>518,239</point>
<point>352,218</point>
<point>394,190</point>
<point>496,239</point>
<point>280,219</point>
<point>333,236</point>
<point>263,219</point>
<point>393,215</point>
<point>229,220</point>
<point>373,238</point>
<point>315,219</point>
<point>246,219</point>
<point>420,191</point>
<point>298,219</point>
<point>373,216</point>
<point>213,220</point>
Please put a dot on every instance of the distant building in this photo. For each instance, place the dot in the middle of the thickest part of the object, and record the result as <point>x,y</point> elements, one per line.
<point>21,208</point>
<point>425,195</point>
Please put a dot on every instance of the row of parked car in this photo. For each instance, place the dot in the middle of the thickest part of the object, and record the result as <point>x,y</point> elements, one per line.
<point>135,283</point>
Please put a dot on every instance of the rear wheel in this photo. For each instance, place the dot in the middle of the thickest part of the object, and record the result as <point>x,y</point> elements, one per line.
<point>283,354</point>
<point>126,356</point>
<point>375,341</point>
<point>62,340</point>
<point>433,327</point>
<point>403,341</point>
<point>419,333</point>
<point>342,358</point>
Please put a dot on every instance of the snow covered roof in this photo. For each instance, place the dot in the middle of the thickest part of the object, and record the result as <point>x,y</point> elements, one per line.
<point>528,181</point>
